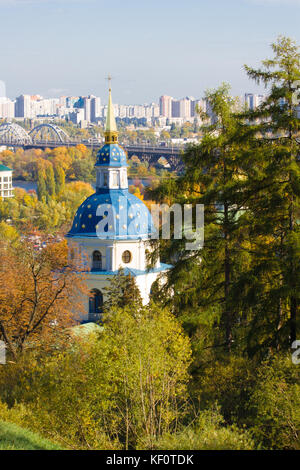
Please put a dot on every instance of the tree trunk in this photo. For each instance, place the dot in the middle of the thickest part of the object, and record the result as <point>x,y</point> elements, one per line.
<point>293,313</point>
<point>293,300</point>
<point>8,342</point>
<point>227,312</point>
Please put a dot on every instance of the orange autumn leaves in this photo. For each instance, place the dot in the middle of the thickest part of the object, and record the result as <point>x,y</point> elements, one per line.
<point>41,293</point>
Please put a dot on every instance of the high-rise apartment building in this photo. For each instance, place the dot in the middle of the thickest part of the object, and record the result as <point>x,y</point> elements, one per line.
<point>253,101</point>
<point>165,106</point>
<point>175,109</point>
<point>185,108</point>
<point>181,108</point>
<point>23,107</point>
<point>45,107</point>
<point>87,108</point>
<point>7,108</point>
<point>95,108</point>
<point>77,115</point>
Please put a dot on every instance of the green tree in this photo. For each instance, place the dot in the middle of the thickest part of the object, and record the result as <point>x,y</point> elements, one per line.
<point>41,185</point>
<point>152,370</point>
<point>273,410</point>
<point>270,287</point>
<point>9,233</point>
<point>50,181</point>
<point>121,292</point>
<point>202,280</point>
<point>60,179</point>
<point>82,170</point>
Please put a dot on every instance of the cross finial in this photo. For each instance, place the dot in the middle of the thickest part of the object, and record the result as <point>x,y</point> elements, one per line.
<point>109,79</point>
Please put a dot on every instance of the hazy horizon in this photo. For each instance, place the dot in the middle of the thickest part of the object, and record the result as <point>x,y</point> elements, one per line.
<point>67,47</point>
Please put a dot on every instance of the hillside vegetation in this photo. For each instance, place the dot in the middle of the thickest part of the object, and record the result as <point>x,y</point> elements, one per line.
<point>13,437</point>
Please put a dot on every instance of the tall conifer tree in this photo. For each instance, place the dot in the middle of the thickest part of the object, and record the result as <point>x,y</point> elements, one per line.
<point>272,284</point>
<point>202,280</point>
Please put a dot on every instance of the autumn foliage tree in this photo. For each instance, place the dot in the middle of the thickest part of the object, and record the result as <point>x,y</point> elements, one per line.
<point>40,294</point>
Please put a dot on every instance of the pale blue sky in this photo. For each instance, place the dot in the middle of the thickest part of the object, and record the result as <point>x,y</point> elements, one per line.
<point>154,47</point>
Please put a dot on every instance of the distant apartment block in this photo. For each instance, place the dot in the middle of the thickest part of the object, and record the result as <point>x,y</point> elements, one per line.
<point>165,106</point>
<point>95,108</point>
<point>23,107</point>
<point>181,108</point>
<point>77,116</point>
<point>253,101</point>
<point>7,108</point>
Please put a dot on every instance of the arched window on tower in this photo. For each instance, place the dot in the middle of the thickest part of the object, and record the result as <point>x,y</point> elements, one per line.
<point>97,261</point>
<point>95,305</point>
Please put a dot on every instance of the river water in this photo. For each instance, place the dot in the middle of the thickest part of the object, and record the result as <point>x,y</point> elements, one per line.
<point>32,185</point>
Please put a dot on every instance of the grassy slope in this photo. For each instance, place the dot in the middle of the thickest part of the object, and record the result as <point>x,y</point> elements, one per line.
<point>13,437</point>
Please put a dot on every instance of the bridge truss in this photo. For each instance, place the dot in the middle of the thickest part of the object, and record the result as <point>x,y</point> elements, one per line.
<point>11,133</point>
<point>168,160</point>
<point>49,132</point>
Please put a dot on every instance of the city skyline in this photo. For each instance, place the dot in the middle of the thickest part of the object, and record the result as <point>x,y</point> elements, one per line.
<point>87,109</point>
<point>60,47</point>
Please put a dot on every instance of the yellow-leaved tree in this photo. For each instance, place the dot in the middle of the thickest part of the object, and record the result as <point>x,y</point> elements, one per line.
<point>40,294</point>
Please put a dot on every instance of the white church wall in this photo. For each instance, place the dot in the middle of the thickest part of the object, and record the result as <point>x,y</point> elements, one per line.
<point>137,251</point>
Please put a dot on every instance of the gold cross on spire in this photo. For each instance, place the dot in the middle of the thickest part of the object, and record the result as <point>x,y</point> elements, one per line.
<point>109,79</point>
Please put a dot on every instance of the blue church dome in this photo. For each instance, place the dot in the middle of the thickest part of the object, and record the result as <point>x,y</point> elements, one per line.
<point>112,155</point>
<point>113,214</point>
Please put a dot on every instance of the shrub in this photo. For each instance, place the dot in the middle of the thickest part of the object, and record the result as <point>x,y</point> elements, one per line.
<point>208,433</point>
<point>228,382</point>
<point>122,389</point>
<point>274,406</point>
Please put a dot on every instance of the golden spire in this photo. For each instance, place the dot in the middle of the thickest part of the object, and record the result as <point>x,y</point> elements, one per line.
<point>111,132</point>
